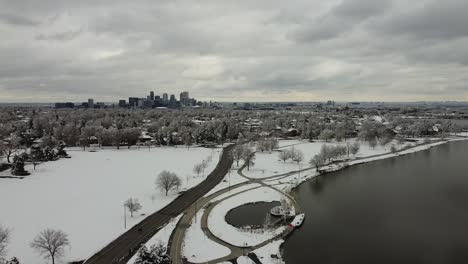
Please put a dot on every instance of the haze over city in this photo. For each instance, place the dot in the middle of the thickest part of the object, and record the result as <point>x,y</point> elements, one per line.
<point>354,50</point>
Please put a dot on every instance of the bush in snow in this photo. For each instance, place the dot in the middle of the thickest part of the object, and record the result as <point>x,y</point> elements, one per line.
<point>157,254</point>
<point>14,260</point>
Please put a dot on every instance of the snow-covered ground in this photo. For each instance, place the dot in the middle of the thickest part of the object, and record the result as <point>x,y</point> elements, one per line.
<point>269,164</point>
<point>198,248</point>
<point>84,195</point>
<point>161,237</point>
<point>235,236</point>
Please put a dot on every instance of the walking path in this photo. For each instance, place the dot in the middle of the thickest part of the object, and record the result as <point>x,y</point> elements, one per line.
<point>208,204</point>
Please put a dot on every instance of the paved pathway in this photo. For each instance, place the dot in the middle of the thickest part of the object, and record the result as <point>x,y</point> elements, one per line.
<point>208,204</point>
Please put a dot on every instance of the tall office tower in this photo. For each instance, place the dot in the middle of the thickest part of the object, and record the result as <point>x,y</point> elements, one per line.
<point>165,98</point>
<point>172,100</point>
<point>184,98</point>
<point>152,96</point>
<point>91,103</point>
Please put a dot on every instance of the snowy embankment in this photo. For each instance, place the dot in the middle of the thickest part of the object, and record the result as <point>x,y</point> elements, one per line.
<point>84,195</point>
<point>269,164</point>
<point>242,237</point>
<point>205,249</point>
<point>265,253</point>
<point>161,237</point>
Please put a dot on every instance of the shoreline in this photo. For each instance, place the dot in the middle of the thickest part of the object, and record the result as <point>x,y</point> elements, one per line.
<point>342,165</point>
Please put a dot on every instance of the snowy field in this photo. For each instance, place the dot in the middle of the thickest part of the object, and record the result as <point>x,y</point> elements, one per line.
<point>84,195</point>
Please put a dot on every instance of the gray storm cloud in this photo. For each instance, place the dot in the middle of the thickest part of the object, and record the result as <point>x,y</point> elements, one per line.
<point>234,50</point>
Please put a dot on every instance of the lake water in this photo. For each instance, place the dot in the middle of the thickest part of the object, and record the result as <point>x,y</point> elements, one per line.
<point>411,209</point>
<point>253,214</point>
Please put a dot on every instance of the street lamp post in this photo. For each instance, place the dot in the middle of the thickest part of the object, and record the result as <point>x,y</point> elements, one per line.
<point>125,218</point>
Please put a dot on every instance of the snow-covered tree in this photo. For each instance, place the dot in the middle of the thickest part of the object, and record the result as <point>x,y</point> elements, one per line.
<point>133,205</point>
<point>156,254</point>
<point>51,243</point>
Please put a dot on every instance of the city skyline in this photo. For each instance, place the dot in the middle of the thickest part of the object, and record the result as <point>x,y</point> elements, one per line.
<point>349,50</point>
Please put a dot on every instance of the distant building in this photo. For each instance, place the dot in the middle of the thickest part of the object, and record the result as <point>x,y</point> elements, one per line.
<point>100,105</point>
<point>91,103</point>
<point>133,101</point>
<point>165,99</point>
<point>184,99</point>
<point>122,103</point>
<point>152,96</point>
<point>64,105</point>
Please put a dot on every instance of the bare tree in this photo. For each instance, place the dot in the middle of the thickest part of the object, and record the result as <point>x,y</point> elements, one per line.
<point>51,243</point>
<point>317,161</point>
<point>10,146</point>
<point>133,205</point>
<point>204,165</point>
<point>4,239</point>
<point>198,168</point>
<point>297,156</point>
<point>167,181</point>
<point>373,143</point>
<point>354,148</point>
<point>284,155</point>
<point>248,156</point>
<point>237,153</point>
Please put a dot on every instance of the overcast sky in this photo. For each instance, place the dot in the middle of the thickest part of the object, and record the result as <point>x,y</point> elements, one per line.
<point>242,50</point>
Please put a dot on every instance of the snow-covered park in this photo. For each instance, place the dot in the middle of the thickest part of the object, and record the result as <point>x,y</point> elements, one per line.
<point>269,163</point>
<point>84,195</point>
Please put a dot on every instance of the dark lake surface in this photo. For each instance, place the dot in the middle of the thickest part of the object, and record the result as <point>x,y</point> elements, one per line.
<point>407,210</point>
<point>250,214</point>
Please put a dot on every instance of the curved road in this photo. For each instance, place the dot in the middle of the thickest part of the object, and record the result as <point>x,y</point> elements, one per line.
<point>178,234</point>
<point>125,246</point>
